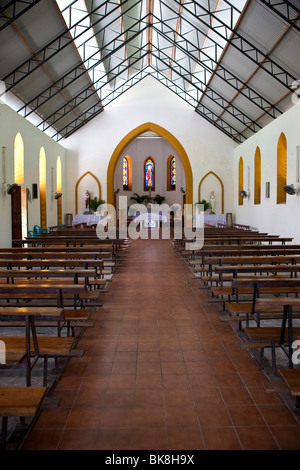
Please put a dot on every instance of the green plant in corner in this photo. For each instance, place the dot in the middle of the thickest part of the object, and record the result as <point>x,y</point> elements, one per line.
<point>95,203</point>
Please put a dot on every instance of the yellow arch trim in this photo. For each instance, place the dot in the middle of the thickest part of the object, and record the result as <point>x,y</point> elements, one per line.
<point>149,126</point>
<point>77,184</point>
<point>222,187</point>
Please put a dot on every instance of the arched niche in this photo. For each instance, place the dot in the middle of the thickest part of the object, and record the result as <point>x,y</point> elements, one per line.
<point>92,185</point>
<point>214,175</point>
<point>149,126</point>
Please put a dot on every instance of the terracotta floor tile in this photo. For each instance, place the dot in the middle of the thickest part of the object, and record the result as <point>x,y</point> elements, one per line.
<point>212,416</point>
<point>90,397</point>
<point>124,368</point>
<point>121,381</point>
<point>184,439</point>
<point>42,439</point>
<point>117,416</point>
<point>181,416</point>
<point>236,396</point>
<point>153,438</point>
<point>177,381</point>
<point>178,397</point>
<point>245,415</point>
<point>148,368</point>
<point>119,397</point>
<point>209,396</point>
<point>148,416</point>
<point>276,415</point>
<point>83,417</point>
<point>148,381</point>
<point>202,379</point>
<point>52,418</point>
<point>288,437</point>
<point>221,438</point>
<point>75,439</point>
<point>172,368</point>
<point>148,356</point>
<point>148,397</point>
<point>229,379</point>
<point>256,438</point>
<point>113,439</point>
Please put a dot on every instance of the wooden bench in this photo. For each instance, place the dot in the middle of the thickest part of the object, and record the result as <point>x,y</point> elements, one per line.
<point>268,337</point>
<point>243,311</point>
<point>291,378</point>
<point>18,402</point>
<point>47,317</point>
<point>44,290</point>
<point>45,348</point>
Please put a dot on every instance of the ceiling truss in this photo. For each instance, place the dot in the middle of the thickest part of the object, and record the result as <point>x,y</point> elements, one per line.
<point>93,51</point>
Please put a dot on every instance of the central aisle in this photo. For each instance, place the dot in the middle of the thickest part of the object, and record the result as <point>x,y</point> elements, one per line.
<point>162,372</point>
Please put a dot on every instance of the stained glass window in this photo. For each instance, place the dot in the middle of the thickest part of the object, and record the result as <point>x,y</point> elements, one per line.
<point>125,173</point>
<point>149,174</point>
<point>173,173</point>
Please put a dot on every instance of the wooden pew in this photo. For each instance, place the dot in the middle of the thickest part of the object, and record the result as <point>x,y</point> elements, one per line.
<point>33,347</point>
<point>291,378</point>
<point>18,402</point>
<point>262,336</point>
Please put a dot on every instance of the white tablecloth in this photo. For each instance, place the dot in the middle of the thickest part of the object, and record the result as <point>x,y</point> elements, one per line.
<point>151,215</point>
<point>88,219</point>
<point>211,219</point>
<point>150,219</point>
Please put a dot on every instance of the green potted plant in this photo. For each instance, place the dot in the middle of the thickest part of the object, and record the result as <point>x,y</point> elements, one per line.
<point>159,199</point>
<point>205,204</point>
<point>138,199</point>
<point>95,203</point>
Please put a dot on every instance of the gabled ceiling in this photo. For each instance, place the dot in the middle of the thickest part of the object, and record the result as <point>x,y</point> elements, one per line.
<point>236,62</point>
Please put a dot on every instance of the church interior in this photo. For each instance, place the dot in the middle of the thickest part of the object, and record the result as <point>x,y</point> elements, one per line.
<point>150,172</point>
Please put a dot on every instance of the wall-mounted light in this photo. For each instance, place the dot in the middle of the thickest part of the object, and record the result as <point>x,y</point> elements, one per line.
<point>290,189</point>
<point>244,194</point>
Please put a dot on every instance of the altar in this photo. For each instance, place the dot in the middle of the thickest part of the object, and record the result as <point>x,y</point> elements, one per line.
<point>87,219</point>
<point>210,219</point>
<point>150,219</point>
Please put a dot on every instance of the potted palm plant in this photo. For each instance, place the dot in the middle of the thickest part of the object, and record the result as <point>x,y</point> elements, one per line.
<point>159,199</point>
<point>205,204</point>
<point>138,199</point>
<point>95,203</point>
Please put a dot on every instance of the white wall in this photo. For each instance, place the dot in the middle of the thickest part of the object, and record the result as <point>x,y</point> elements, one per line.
<point>91,147</point>
<point>281,219</point>
<point>10,124</point>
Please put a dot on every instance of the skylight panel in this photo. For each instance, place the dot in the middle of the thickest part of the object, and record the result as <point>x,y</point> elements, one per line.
<point>76,14</point>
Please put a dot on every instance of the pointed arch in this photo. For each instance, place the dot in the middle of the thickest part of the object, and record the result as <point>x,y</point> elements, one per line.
<point>257,176</point>
<point>241,180</point>
<point>281,168</point>
<point>18,159</point>
<point>149,126</point>
<point>222,187</point>
<point>77,184</point>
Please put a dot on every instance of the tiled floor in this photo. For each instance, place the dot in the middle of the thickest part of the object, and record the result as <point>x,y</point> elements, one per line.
<point>162,372</point>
